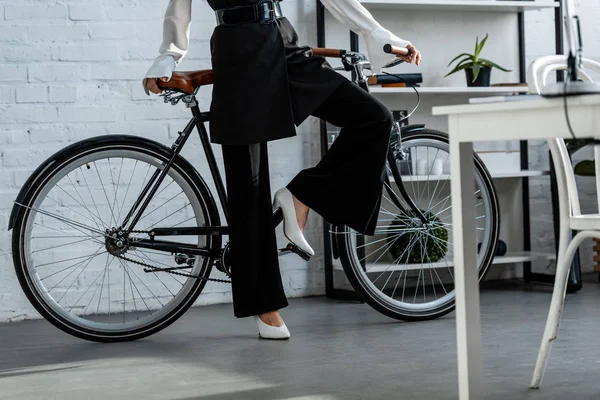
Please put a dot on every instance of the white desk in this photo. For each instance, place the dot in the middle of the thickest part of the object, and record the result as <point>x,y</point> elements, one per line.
<point>516,120</point>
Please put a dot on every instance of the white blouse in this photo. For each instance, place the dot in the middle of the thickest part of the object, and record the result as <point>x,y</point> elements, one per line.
<point>176,34</point>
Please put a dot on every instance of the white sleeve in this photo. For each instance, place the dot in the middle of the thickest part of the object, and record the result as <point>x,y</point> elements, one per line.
<point>176,37</point>
<point>355,16</point>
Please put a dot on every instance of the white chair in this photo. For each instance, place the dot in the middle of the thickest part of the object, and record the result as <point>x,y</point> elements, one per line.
<point>571,218</point>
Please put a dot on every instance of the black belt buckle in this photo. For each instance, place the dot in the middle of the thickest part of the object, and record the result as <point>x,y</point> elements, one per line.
<point>266,12</point>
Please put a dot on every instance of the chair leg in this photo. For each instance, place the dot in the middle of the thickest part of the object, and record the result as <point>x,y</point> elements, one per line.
<point>556,307</point>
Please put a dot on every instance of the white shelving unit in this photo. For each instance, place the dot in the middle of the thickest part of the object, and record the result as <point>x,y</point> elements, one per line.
<point>510,185</point>
<point>461,5</point>
<point>520,174</point>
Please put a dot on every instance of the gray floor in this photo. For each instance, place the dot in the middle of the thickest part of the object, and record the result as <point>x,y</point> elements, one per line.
<point>338,350</point>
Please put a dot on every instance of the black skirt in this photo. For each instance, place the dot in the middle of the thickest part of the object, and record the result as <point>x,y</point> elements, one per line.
<point>265,83</point>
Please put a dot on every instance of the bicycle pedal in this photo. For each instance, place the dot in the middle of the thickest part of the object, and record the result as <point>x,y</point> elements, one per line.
<point>292,248</point>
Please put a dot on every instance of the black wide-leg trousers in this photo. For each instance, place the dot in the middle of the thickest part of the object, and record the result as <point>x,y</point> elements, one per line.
<point>344,188</point>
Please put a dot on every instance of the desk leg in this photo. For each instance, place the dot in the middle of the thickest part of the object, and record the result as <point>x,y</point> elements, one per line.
<point>468,329</point>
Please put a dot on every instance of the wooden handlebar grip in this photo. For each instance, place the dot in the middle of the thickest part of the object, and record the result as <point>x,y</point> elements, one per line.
<point>321,52</point>
<point>399,51</point>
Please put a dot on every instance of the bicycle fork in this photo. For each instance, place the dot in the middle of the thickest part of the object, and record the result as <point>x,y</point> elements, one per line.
<point>397,153</point>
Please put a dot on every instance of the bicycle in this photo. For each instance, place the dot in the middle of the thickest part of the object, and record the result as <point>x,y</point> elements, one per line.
<point>69,227</point>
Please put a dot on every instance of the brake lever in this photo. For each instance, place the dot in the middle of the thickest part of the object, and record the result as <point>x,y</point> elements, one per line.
<point>393,63</point>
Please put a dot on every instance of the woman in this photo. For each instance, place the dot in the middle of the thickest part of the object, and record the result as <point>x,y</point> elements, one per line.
<point>264,86</point>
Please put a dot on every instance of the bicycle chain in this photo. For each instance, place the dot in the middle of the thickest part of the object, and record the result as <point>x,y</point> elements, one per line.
<point>157,269</point>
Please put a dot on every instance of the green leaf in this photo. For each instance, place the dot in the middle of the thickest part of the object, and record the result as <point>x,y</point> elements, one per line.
<point>476,68</point>
<point>585,168</point>
<point>459,68</point>
<point>480,47</point>
<point>488,63</point>
<point>465,61</point>
<point>467,55</point>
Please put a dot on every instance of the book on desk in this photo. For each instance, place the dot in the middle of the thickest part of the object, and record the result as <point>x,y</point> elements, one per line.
<point>395,80</point>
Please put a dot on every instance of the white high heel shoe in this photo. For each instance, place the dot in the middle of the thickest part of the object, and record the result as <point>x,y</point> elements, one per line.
<point>283,200</point>
<point>272,332</point>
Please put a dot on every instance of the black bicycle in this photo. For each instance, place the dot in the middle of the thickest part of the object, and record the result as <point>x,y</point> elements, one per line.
<point>116,236</point>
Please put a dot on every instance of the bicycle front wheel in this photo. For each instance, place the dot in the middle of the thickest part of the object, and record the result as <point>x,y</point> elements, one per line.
<point>406,270</point>
<point>71,267</point>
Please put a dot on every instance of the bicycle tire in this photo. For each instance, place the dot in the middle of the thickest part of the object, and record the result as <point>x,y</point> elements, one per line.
<point>356,272</point>
<point>70,155</point>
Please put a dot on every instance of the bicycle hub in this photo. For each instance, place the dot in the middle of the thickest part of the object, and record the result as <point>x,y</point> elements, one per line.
<point>115,242</point>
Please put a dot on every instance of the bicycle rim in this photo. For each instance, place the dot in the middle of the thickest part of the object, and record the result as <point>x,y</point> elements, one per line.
<point>406,269</point>
<point>65,257</point>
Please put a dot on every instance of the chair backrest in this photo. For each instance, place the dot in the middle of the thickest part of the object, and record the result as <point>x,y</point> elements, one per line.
<point>541,67</point>
<point>567,189</point>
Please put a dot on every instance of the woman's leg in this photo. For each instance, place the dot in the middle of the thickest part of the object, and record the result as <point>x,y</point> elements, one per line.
<point>345,186</point>
<point>256,281</point>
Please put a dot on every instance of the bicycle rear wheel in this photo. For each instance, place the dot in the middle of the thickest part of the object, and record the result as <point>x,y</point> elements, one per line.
<point>75,274</point>
<point>406,269</point>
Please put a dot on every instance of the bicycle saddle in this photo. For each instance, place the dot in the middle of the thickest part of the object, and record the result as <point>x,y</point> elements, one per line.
<point>188,81</point>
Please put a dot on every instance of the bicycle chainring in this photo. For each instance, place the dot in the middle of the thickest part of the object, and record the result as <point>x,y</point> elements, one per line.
<point>224,264</point>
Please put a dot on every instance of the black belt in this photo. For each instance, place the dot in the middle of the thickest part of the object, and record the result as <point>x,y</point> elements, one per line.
<point>265,12</point>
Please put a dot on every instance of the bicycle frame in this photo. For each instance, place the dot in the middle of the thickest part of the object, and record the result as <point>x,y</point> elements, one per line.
<point>136,212</point>
<point>351,60</point>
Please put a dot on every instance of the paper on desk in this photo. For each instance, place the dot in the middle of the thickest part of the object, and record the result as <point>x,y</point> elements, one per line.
<point>499,99</point>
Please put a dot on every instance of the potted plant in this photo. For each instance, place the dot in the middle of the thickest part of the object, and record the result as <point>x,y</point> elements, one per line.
<point>477,69</point>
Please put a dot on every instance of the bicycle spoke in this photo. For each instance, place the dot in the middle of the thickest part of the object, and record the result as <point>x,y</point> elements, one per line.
<point>58,230</point>
<point>408,248</point>
<point>66,268</point>
<point>58,217</point>
<point>112,214</point>
<point>75,211</point>
<point>170,215</point>
<point>96,217</point>
<point>146,258</point>
<point>146,286</point>
<point>61,245</point>
<point>69,259</point>
<point>117,185</point>
<point>101,288</point>
<point>124,265</point>
<point>92,197</point>
<point>128,186</point>
<point>77,277</point>
<point>434,194</point>
<point>93,283</point>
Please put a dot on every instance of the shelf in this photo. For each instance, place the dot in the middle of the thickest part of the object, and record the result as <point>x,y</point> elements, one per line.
<point>376,89</point>
<point>461,5</point>
<point>523,256</point>
<point>509,258</point>
<point>519,174</point>
<point>495,175</point>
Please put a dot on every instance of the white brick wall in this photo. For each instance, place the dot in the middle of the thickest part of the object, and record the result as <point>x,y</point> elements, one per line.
<point>71,69</point>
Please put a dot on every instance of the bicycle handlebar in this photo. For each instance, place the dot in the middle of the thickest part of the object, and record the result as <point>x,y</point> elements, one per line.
<point>322,52</point>
<point>396,50</point>
<point>337,53</point>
